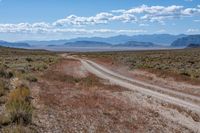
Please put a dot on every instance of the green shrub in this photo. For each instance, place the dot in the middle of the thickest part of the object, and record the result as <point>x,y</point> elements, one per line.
<point>20,111</point>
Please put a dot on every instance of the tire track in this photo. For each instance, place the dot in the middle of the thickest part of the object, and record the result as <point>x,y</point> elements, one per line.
<point>126,82</point>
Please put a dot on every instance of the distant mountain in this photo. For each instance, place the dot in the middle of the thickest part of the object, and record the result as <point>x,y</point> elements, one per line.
<point>185,41</point>
<point>136,44</point>
<point>87,44</point>
<point>193,45</point>
<point>13,44</point>
<point>45,43</point>
<point>161,39</point>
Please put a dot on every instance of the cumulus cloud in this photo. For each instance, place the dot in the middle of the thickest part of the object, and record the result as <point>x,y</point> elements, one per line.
<point>125,18</point>
<point>101,18</point>
<point>140,15</point>
<point>49,28</point>
<point>25,28</point>
<point>137,14</point>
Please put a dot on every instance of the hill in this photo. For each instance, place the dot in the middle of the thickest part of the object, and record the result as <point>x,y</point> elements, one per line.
<point>193,46</point>
<point>161,39</point>
<point>14,44</point>
<point>87,44</point>
<point>185,41</point>
<point>136,44</point>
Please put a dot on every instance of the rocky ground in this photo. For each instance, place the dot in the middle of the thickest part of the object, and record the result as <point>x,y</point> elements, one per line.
<point>67,98</point>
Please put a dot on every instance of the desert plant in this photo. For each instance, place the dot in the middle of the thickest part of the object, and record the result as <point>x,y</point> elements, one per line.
<point>18,105</point>
<point>19,94</point>
<point>20,111</point>
<point>5,74</point>
<point>31,78</point>
<point>29,59</point>
<point>2,88</point>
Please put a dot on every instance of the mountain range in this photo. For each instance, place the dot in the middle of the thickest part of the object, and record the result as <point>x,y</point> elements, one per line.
<point>155,40</point>
<point>185,41</point>
<point>103,44</point>
<point>193,46</point>
<point>136,44</point>
<point>160,39</point>
<point>14,44</point>
<point>87,44</point>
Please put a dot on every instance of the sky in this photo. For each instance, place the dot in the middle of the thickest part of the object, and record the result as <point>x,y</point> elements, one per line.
<point>65,19</point>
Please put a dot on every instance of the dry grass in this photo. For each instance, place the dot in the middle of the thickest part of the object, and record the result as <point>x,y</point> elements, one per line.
<point>181,64</point>
<point>2,88</point>
<point>24,65</point>
<point>18,105</point>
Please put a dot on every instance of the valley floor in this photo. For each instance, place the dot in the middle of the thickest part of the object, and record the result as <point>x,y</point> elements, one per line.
<point>70,97</point>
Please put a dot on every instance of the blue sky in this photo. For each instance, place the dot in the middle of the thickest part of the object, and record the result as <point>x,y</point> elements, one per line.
<point>64,19</point>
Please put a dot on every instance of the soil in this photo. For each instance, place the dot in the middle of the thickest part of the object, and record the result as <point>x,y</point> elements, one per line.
<point>65,105</point>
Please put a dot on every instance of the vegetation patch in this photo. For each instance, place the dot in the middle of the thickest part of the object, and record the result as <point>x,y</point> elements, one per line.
<point>183,63</point>
<point>15,99</point>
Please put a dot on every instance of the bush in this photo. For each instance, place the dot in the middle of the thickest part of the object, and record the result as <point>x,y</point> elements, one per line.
<point>19,94</point>
<point>2,88</point>
<point>19,106</point>
<point>31,78</point>
<point>5,74</point>
<point>29,59</point>
<point>20,111</point>
<point>4,120</point>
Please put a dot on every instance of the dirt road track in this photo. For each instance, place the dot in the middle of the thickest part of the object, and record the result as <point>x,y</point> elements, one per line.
<point>126,82</point>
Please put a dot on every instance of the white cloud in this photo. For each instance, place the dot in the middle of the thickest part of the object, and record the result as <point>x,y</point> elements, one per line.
<point>47,28</point>
<point>193,30</point>
<point>143,25</point>
<point>141,15</point>
<point>161,31</point>
<point>137,14</point>
<point>118,11</point>
<point>125,18</point>
<point>101,18</point>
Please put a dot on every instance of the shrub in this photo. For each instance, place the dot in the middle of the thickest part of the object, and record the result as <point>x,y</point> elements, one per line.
<point>5,74</point>
<point>4,120</point>
<point>19,94</point>
<point>29,59</point>
<point>20,111</point>
<point>2,88</point>
<point>31,78</point>
<point>19,106</point>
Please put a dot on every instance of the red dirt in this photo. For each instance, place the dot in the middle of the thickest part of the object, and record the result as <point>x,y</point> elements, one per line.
<point>68,102</point>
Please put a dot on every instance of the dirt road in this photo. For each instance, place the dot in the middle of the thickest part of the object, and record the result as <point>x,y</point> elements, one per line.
<point>72,99</point>
<point>129,83</point>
